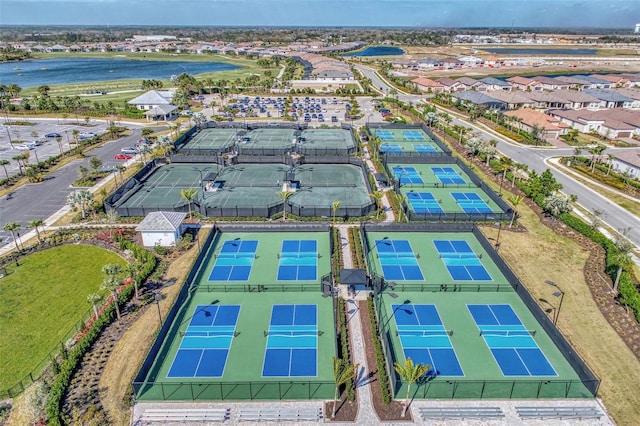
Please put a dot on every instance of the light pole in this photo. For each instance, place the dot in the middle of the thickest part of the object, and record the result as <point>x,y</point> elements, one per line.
<point>157,298</point>
<point>559,294</point>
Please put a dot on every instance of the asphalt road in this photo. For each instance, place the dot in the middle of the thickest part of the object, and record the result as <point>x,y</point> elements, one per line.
<point>39,201</point>
<point>535,158</point>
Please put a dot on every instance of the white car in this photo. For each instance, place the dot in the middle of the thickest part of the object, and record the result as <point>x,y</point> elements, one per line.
<point>129,150</point>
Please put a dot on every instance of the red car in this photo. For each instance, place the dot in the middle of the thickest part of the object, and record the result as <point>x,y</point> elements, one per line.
<point>122,157</point>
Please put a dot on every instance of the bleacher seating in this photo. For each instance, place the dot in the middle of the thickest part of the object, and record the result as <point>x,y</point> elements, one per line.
<point>282,414</point>
<point>460,413</point>
<point>185,415</point>
<point>559,412</point>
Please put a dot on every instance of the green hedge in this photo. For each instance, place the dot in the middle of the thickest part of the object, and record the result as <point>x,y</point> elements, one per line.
<point>380,360</point>
<point>345,353</point>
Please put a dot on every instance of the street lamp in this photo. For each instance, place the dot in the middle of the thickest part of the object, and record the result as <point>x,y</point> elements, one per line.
<point>559,294</point>
<point>157,298</point>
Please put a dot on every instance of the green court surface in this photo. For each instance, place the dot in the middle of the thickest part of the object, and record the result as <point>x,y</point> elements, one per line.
<point>215,139</point>
<point>422,182</point>
<point>405,140</point>
<point>435,274</point>
<point>268,139</point>
<point>317,140</point>
<point>162,188</point>
<point>242,377</point>
<point>481,375</point>
<point>264,268</point>
<point>244,369</point>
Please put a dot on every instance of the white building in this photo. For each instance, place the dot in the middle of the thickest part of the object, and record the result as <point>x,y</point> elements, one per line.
<point>637,29</point>
<point>161,228</point>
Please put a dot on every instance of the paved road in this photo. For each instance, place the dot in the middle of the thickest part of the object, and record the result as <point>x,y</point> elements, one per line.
<point>39,201</point>
<point>536,159</point>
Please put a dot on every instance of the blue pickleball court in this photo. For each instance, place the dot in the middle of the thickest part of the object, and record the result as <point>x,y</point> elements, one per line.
<point>235,260</point>
<point>298,260</point>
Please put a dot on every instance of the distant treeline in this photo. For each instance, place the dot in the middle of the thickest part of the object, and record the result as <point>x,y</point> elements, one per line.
<point>8,54</point>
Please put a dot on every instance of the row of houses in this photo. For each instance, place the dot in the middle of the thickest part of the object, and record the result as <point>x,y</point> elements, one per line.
<point>529,84</point>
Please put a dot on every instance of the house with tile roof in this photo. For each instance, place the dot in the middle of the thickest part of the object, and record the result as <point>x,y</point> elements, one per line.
<point>450,85</point>
<point>427,85</point>
<point>615,79</point>
<point>575,82</point>
<point>526,119</point>
<point>550,83</point>
<point>161,228</point>
<point>514,100</point>
<point>627,162</point>
<point>596,83</point>
<point>479,98</point>
<point>496,84</point>
<point>524,83</point>
<point>472,84</point>
<point>610,98</point>
<point>612,123</point>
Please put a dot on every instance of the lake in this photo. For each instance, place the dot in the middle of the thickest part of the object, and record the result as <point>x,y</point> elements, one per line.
<point>81,70</point>
<point>539,51</point>
<point>378,51</point>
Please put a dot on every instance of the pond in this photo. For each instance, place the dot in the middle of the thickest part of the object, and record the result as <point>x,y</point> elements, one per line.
<point>378,51</point>
<point>81,70</point>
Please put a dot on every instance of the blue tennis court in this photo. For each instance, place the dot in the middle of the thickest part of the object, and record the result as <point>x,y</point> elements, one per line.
<point>390,147</point>
<point>298,260</point>
<point>471,202</point>
<point>292,342</point>
<point>424,202</point>
<point>234,261</point>
<point>511,344</point>
<point>407,174</point>
<point>425,340</point>
<point>461,262</point>
<point>205,343</point>
<point>413,135</point>
<point>424,147</point>
<point>447,175</point>
<point>398,261</point>
<point>384,134</point>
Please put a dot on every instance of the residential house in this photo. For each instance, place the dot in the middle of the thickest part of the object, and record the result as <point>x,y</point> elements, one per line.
<point>157,104</point>
<point>633,94</point>
<point>450,85</point>
<point>527,119</point>
<point>575,83</point>
<point>634,79</point>
<point>161,228</point>
<point>496,84</point>
<point>616,79</point>
<point>427,85</point>
<point>627,162</point>
<point>610,98</point>
<point>472,84</point>
<point>514,100</point>
<point>550,83</point>
<point>526,84</point>
<point>612,123</point>
<point>596,83</point>
<point>480,99</point>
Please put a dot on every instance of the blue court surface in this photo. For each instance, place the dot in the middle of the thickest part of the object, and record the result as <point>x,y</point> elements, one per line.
<point>292,342</point>
<point>447,175</point>
<point>511,344</point>
<point>424,202</point>
<point>407,175</point>
<point>413,135</point>
<point>425,340</point>
<point>398,261</point>
<point>234,261</point>
<point>298,260</point>
<point>471,202</point>
<point>461,262</point>
<point>205,344</point>
<point>424,147</point>
<point>384,134</point>
<point>390,147</point>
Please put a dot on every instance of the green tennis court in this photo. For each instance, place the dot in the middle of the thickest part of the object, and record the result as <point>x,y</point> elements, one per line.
<point>319,141</point>
<point>215,139</point>
<point>267,139</point>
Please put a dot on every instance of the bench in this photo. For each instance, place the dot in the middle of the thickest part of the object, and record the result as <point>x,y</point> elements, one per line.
<point>559,412</point>
<point>292,413</point>
<point>185,415</point>
<point>460,413</point>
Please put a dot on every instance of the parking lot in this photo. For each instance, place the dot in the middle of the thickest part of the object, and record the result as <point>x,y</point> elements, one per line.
<point>14,139</point>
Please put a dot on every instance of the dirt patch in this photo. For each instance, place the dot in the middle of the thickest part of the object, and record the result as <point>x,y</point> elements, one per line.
<point>347,411</point>
<point>385,412</point>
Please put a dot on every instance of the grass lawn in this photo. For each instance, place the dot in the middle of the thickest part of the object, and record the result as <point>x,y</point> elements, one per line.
<point>41,300</point>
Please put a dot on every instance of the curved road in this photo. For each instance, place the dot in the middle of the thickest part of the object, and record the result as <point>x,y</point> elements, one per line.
<point>536,159</point>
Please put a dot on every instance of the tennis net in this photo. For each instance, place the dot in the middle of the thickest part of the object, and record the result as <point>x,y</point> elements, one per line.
<point>292,333</point>
<point>424,333</point>
<point>397,255</point>
<point>464,255</point>
<point>300,255</point>
<point>508,333</point>
<point>192,333</point>
<point>235,255</point>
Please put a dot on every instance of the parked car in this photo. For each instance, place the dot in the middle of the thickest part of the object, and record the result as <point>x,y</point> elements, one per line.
<point>129,150</point>
<point>52,135</point>
<point>122,157</point>
<point>334,119</point>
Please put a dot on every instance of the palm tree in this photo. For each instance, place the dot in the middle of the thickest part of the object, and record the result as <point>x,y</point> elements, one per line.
<point>36,224</point>
<point>610,159</point>
<point>343,372</point>
<point>595,152</point>
<point>13,227</point>
<point>409,373</point>
<point>377,197</point>
<point>334,208</point>
<point>133,270</point>
<point>622,258</point>
<point>95,299</point>
<point>188,194</point>
<point>112,284</point>
<point>166,145</point>
<point>284,195</point>
<point>4,163</point>
<point>81,199</point>
<point>515,201</point>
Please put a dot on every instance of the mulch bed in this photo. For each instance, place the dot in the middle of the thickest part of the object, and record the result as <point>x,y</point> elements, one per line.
<point>385,412</point>
<point>347,411</point>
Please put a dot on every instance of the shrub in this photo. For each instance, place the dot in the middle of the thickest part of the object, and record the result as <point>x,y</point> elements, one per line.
<point>380,359</point>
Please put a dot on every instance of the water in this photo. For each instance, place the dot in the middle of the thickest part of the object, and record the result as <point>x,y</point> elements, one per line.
<point>378,51</point>
<point>80,70</point>
<point>539,51</point>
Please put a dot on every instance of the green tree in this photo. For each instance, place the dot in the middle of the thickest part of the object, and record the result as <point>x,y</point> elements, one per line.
<point>377,197</point>
<point>284,196</point>
<point>622,259</point>
<point>4,163</point>
<point>112,284</point>
<point>409,373</point>
<point>95,163</point>
<point>334,208</point>
<point>595,152</point>
<point>189,194</point>
<point>36,224</point>
<point>14,228</point>
<point>81,199</point>
<point>133,270</point>
<point>515,202</point>
<point>95,299</point>
<point>343,372</point>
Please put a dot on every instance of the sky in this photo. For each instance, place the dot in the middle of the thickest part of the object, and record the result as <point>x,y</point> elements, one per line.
<point>410,13</point>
